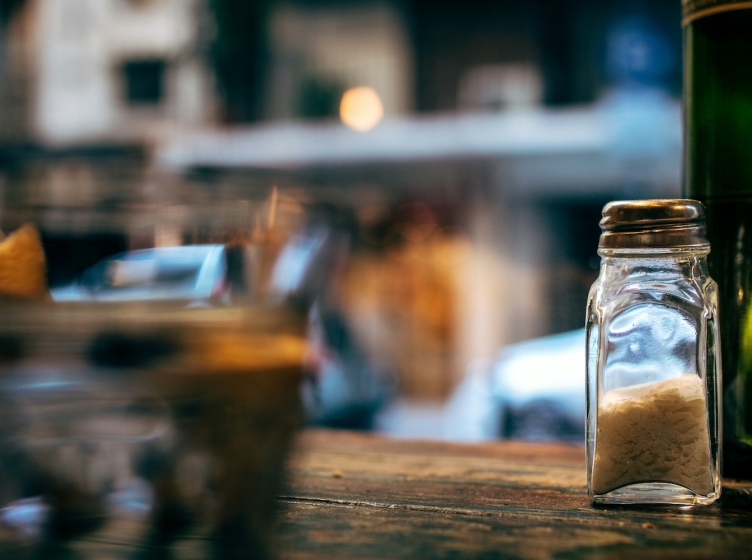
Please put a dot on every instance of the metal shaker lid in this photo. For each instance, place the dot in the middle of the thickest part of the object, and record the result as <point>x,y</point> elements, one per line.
<point>653,224</point>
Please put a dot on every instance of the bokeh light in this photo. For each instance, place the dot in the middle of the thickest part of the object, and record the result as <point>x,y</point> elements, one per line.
<point>361,108</point>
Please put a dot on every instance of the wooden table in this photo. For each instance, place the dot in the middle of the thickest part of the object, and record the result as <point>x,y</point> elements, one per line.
<point>353,495</point>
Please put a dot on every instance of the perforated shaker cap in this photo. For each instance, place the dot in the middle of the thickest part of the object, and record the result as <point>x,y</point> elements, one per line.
<point>653,224</point>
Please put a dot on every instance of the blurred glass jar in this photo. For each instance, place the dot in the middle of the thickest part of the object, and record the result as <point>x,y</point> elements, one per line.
<point>653,359</point>
<point>159,385</point>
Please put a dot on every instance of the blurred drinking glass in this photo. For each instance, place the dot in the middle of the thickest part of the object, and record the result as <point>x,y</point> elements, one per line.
<point>150,396</point>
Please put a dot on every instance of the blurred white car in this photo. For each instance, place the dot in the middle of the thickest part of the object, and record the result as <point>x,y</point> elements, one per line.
<point>534,390</point>
<point>190,272</point>
<point>344,390</point>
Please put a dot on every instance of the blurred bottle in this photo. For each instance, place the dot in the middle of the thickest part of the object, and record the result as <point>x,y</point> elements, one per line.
<point>718,171</point>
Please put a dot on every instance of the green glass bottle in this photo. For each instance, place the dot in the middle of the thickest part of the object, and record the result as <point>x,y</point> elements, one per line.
<point>718,171</point>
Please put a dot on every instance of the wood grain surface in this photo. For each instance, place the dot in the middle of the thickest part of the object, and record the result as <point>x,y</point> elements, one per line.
<point>352,495</point>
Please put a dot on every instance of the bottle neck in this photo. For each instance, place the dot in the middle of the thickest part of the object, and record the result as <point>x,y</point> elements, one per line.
<point>688,263</point>
<point>675,253</point>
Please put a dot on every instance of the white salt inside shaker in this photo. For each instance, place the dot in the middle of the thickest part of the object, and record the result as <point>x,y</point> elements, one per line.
<point>653,432</point>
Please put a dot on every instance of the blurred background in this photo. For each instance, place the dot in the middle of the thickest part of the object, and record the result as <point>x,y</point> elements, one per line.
<point>453,157</point>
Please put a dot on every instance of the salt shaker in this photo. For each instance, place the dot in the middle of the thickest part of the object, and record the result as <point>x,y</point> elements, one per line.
<point>653,359</point>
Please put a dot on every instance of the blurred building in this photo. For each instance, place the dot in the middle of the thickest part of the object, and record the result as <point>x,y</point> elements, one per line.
<point>15,44</point>
<point>88,87</point>
<point>117,69</point>
<point>139,64</point>
<point>316,53</point>
<point>482,139</point>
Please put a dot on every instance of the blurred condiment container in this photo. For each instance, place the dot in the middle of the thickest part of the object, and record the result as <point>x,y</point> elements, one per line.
<point>152,397</point>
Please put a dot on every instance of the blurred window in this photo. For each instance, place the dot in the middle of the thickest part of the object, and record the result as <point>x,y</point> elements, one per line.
<point>319,98</point>
<point>144,81</point>
<point>500,86</point>
<point>139,3</point>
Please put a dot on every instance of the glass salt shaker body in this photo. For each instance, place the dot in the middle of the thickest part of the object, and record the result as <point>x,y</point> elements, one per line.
<point>653,359</point>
